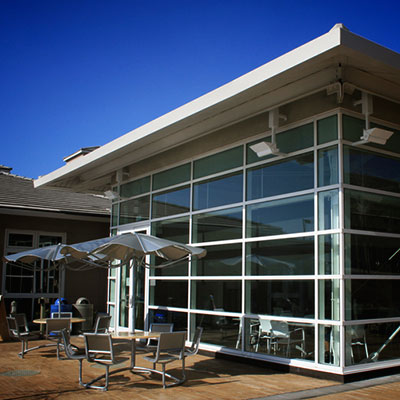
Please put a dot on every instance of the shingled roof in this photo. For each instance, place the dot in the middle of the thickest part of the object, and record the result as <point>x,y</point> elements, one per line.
<point>18,193</point>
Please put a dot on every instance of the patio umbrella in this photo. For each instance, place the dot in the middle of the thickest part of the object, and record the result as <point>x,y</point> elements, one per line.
<point>133,246</point>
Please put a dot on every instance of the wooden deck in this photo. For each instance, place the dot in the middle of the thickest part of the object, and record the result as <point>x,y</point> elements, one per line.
<point>41,376</point>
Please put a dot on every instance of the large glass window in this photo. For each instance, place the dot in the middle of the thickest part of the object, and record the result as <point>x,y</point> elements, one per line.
<point>169,293</point>
<point>176,201</point>
<point>327,129</point>
<point>328,167</point>
<point>294,298</point>
<point>220,260</point>
<point>372,212</point>
<point>217,295</point>
<point>134,210</point>
<point>179,319</point>
<point>280,257</point>
<point>328,254</point>
<point>283,177</point>
<point>218,191</point>
<point>135,188</point>
<point>20,239</point>
<point>171,176</point>
<point>217,225</point>
<point>219,162</point>
<point>372,255</point>
<point>328,210</point>
<point>364,168</point>
<point>329,299</point>
<point>294,214</point>
<point>372,298</point>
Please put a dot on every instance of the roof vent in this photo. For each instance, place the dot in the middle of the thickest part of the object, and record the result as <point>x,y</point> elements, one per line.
<point>81,152</point>
<point>4,169</point>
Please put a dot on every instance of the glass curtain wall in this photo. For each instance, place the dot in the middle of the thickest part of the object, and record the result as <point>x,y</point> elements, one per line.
<point>286,237</point>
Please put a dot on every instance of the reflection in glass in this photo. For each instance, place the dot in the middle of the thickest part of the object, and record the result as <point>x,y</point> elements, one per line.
<point>179,319</point>
<point>217,295</point>
<point>329,299</point>
<point>329,344</point>
<point>328,254</point>
<point>217,225</point>
<point>372,212</point>
<point>373,255</point>
<point>289,175</point>
<point>220,260</point>
<point>218,191</point>
<point>135,188</point>
<point>134,210</point>
<point>327,129</point>
<point>328,210</point>
<point>364,168</point>
<point>279,338</point>
<point>171,176</point>
<point>293,256</point>
<point>168,293</point>
<point>328,168</point>
<point>20,240</point>
<point>278,217</point>
<point>171,202</point>
<point>218,329</point>
<point>293,298</point>
<point>372,298</point>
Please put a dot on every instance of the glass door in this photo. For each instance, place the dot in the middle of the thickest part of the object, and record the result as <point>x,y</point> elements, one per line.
<point>131,293</point>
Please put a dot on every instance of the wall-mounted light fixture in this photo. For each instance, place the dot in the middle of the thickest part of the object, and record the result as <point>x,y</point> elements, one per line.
<point>374,135</point>
<point>263,149</point>
<point>110,195</point>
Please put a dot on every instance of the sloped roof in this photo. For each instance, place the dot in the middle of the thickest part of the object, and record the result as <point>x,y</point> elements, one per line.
<point>18,193</point>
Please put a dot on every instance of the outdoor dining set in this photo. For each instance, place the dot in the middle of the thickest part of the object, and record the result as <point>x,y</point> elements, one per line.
<point>160,345</point>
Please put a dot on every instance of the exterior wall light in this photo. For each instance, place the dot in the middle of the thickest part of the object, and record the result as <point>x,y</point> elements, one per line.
<point>265,149</point>
<point>110,195</point>
<point>374,135</point>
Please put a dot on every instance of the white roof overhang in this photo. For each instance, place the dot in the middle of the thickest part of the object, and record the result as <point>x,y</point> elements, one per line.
<point>303,70</point>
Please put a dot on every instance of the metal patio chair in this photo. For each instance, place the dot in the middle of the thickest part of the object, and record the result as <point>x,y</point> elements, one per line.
<point>18,329</point>
<point>170,347</point>
<point>194,348</point>
<point>151,344</point>
<point>102,323</point>
<point>73,352</point>
<point>99,350</point>
<point>53,330</point>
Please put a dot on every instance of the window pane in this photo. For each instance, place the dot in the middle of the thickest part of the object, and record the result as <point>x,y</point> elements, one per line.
<point>47,240</point>
<point>328,210</point>
<point>114,214</point>
<point>328,254</point>
<point>352,128</point>
<point>328,168</point>
<point>171,202</point>
<point>218,330</point>
<point>293,298</point>
<point>169,293</point>
<point>363,168</point>
<point>135,188</point>
<point>283,177</point>
<point>329,344</point>
<point>295,139</point>
<point>372,298</point>
<point>295,214</point>
<point>329,304</point>
<point>134,210</point>
<point>372,255</point>
<point>218,162</point>
<point>20,240</point>
<point>220,260</point>
<point>279,338</point>
<point>372,212</point>
<point>218,225</point>
<point>217,295</point>
<point>370,343</point>
<point>171,177</point>
<point>218,192</point>
<point>327,129</point>
<point>280,257</point>
<point>179,319</point>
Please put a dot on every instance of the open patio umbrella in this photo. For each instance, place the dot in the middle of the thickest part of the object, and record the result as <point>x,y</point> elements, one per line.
<point>101,252</point>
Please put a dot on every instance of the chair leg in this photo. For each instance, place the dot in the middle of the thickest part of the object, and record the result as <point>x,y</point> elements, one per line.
<point>80,373</point>
<point>163,375</point>
<point>107,376</point>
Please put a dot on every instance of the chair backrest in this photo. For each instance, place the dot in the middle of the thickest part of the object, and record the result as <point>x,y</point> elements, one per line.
<point>157,327</point>
<point>62,314</point>
<point>22,322</point>
<point>13,327</point>
<point>171,342</point>
<point>99,347</point>
<point>102,323</point>
<point>265,325</point>
<point>57,324</point>
<point>280,328</point>
<point>67,343</point>
<point>194,348</point>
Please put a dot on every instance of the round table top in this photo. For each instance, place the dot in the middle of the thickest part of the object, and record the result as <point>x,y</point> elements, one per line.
<point>73,320</point>
<point>135,335</point>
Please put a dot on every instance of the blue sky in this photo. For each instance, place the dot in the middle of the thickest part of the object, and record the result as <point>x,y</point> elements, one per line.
<point>77,73</point>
